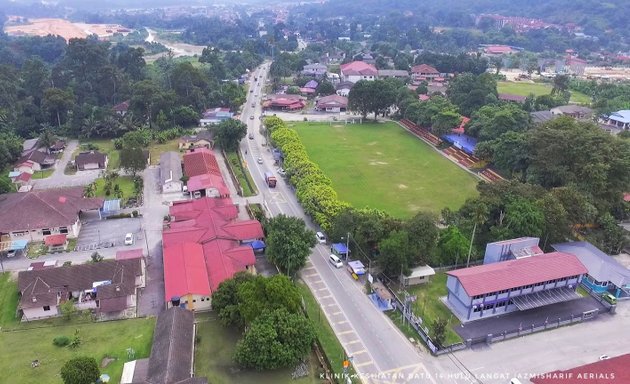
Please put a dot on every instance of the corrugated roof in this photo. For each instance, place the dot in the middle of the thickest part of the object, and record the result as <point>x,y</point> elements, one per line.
<point>424,68</point>
<point>55,239</point>
<point>170,167</point>
<point>358,68</point>
<point>185,270</point>
<point>516,273</point>
<point>600,266</point>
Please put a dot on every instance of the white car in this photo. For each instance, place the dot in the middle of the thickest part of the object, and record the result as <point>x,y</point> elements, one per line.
<point>604,357</point>
<point>129,239</point>
<point>259,160</point>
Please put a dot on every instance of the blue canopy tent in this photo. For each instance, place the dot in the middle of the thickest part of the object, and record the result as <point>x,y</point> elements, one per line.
<point>258,245</point>
<point>340,249</point>
<point>462,141</point>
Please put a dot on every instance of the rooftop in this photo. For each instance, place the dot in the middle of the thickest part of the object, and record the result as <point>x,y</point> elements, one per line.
<point>424,69</point>
<point>170,167</point>
<point>516,273</point>
<point>358,68</point>
<point>622,116</point>
<point>609,371</point>
<point>200,161</point>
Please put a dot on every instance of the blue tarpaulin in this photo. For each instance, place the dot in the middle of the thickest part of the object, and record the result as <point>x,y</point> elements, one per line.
<point>17,245</point>
<point>462,141</point>
<point>339,248</point>
<point>257,245</point>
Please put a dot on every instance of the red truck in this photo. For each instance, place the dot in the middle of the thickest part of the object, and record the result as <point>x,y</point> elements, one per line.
<point>270,179</point>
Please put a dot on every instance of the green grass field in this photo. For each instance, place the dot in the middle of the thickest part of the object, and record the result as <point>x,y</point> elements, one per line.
<point>380,165</point>
<point>213,357</point>
<point>156,149</point>
<point>125,183</point>
<point>429,307</point>
<point>43,173</point>
<point>8,300</point>
<point>538,89</point>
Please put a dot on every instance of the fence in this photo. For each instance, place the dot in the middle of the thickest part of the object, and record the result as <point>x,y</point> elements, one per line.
<point>457,266</point>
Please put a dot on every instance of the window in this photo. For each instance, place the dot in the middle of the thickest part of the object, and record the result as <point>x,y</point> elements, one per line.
<point>476,308</point>
<point>47,308</point>
<point>63,229</point>
<point>203,299</point>
<point>46,231</point>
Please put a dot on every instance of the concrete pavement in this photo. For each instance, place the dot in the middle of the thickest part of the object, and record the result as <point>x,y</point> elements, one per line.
<point>59,180</point>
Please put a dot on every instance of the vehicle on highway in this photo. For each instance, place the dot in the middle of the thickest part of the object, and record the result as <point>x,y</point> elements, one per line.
<point>320,237</point>
<point>251,136</point>
<point>129,239</point>
<point>270,179</point>
<point>251,91</point>
<point>334,260</point>
<point>259,160</point>
<point>253,105</point>
<point>282,172</point>
<point>251,117</point>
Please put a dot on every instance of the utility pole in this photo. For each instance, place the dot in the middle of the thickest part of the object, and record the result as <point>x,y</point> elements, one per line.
<point>347,245</point>
<point>147,244</point>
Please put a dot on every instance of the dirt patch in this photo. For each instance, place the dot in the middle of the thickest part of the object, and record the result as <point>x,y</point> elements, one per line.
<point>64,28</point>
<point>337,126</point>
<point>379,153</point>
<point>107,361</point>
<point>372,143</point>
<point>373,162</point>
<point>402,186</point>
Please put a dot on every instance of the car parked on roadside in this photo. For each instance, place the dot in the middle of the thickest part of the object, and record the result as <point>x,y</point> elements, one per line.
<point>129,239</point>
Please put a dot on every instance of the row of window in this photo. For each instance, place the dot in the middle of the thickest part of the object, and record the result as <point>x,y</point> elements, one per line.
<point>45,232</point>
<point>498,304</point>
<point>195,300</point>
<point>539,284</point>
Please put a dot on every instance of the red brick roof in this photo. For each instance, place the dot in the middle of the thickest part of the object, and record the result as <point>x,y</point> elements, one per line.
<point>498,49</point>
<point>199,162</point>
<point>358,68</point>
<point>185,270</point>
<point>55,240</point>
<point>208,181</point>
<point>332,101</point>
<point>424,68</point>
<point>24,176</point>
<point>611,371</point>
<point>515,273</point>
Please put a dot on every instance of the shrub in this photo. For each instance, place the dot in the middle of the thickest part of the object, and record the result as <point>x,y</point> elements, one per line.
<point>61,341</point>
<point>134,213</point>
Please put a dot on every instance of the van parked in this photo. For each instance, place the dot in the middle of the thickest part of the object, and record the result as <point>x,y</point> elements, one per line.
<point>610,299</point>
<point>320,236</point>
<point>334,260</point>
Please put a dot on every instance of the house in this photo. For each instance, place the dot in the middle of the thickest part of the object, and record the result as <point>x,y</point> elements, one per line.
<point>511,97</point>
<point>312,84</point>
<point>108,287</point>
<point>171,172</point>
<point>540,117</point>
<point>605,274</point>
<point>284,102</point>
<point>122,108</point>
<point>619,119</point>
<point>201,139</point>
<point>511,249</point>
<point>91,160</point>
<point>575,66</point>
<point>204,175</point>
<point>419,275</point>
<point>424,72</point>
<point>575,111</point>
<point>204,245</point>
<point>497,50</point>
<point>358,70</point>
<point>314,70</point>
<point>393,73</point>
<point>172,352</point>
<point>332,103</point>
<point>57,147</point>
<point>515,285</point>
<point>215,116</point>
<point>56,243</point>
<point>307,91</point>
<point>37,214</point>
<point>20,179</point>
<point>343,88</point>
<point>41,160</point>
<point>30,144</point>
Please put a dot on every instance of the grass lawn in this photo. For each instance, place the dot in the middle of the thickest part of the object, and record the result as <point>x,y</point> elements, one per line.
<point>8,300</point>
<point>538,89</point>
<point>380,165</point>
<point>156,149</point>
<point>213,357</point>
<point>429,307</point>
<point>325,334</point>
<point>98,340</point>
<point>124,182</point>
<point>104,146</point>
<point>43,174</point>
<point>242,174</point>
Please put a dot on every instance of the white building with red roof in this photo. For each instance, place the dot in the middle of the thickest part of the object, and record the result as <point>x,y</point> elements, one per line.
<point>203,246</point>
<point>358,70</point>
<point>524,283</point>
<point>424,72</point>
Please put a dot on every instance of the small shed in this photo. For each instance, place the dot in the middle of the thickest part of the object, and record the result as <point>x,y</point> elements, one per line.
<point>419,275</point>
<point>357,267</point>
<point>56,243</point>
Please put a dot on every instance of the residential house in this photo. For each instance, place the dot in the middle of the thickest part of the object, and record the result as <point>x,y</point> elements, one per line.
<point>498,50</point>
<point>513,98</point>
<point>172,352</point>
<point>284,102</point>
<point>41,160</point>
<point>203,246</point>
<point>393,73</point>
<point>171,172</point>
<point>20,179</point>
<point>37,214</point>
<point>204,175</point>
<point>56,243</point>
<point>332,103</point>
<point>201,139</point>
<point>122,108</point>
<point>108,287</point>
<point>57,147</point>
<point>358,70</point>
<point>343,88</point>
<point>619,119</point>
<point>91,160</point>
<point>314,70</point>
<point>423,72</point>
<point>540,117</point>
<point>418,275</point>
<point>215,116</point>
<point>577,112</point>
<point>312,84</point>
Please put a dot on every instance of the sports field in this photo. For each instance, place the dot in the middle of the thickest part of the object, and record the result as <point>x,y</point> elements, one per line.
<point>525,89</point>
<point>380,165</point>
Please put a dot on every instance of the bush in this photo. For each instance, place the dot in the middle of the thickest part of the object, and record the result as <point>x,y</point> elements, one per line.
<point>61,341</point>
<point>134,213</point>
<point>118,143</point>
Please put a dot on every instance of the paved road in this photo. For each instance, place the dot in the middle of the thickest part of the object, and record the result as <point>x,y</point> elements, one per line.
<point>58,179</point>
<point>379,350</point>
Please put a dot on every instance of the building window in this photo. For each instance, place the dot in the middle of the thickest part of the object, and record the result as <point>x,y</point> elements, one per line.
<point>203,299</point>
<point>194,300</point>
<point>46,231</point>
<point>47,308</point>
<point>63,230</point>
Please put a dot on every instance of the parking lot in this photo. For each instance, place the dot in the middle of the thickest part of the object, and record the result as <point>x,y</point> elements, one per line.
<point>97,234</point>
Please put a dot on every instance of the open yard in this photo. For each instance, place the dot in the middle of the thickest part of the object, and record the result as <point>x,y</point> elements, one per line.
<point>213,358</point>
<point>429,307</point>
<point>125,183</point>
<point>102,145</point>
<point>8,300</point>
<point>43,173</point>
<point>538,89</point>
<point>156,149</point>
<point>380,165</point>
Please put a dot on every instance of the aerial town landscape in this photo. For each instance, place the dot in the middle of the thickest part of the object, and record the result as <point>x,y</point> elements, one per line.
<point>387,191</point>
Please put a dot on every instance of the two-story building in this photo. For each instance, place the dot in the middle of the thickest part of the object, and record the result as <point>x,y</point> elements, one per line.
<point>358,70</point>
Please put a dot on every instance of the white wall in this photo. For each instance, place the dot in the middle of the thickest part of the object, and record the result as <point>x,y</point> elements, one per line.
<point>39,313</point>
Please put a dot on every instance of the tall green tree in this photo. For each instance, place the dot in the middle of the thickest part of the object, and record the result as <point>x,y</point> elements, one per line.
<point>470,92</point>
<point>261,293</point>
<point>225,300</point>
<point>396,254</point>
<point>289,243</point>
<point>229,134</point>
<point>133,160</point>
<point>57,102</point>
<point>80,370</point>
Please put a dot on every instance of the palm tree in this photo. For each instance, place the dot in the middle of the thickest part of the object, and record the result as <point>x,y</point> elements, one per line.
<point>47,137</point>
<point>479,215</point>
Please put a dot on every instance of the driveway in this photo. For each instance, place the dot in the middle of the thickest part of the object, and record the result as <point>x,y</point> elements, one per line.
<point>59,180</point>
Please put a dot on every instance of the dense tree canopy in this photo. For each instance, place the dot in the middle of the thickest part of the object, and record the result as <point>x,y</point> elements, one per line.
<point>229,133</point>
<point>80,370</point>
<point>289,243</point>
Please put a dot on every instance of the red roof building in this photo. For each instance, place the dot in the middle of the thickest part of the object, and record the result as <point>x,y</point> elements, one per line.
<point>609,371</point>
<point>498,49</point>
<point>460,129</point>
<point>358,70</point>
<point>202,169</point>
<point>128,254</point>
<point>332,103</point>
<point>203,247</point>
<point>55,240</point>
<point>284,102</point>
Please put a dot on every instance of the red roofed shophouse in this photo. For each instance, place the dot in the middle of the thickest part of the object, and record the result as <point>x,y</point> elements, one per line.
<point>513,285</point>
<point>203,246</point>
<point>284,102</point>
<point>358,70</point>
<point>204,175</point>
<point>498,49</point>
